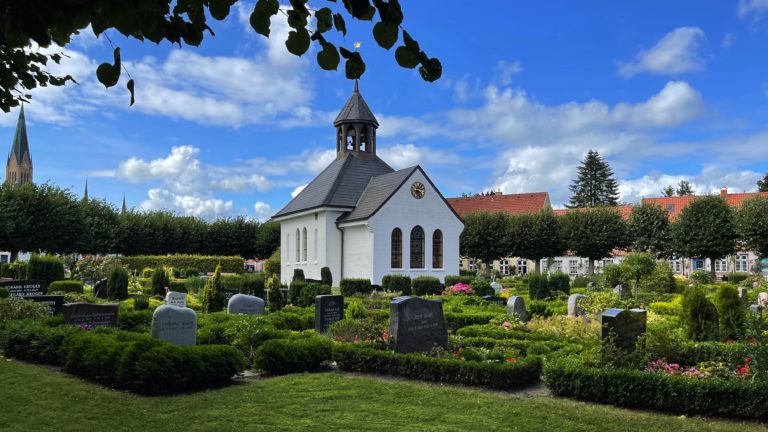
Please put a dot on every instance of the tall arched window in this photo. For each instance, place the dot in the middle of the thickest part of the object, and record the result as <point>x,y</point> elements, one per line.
<point>314,246</point>
<point>304,244</point>
<point>397,248</point>
<point>437,249</point>
<point>417,247</point>
<point>298,245</point>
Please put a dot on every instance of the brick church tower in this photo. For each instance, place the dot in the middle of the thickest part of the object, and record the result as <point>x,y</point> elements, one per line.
<point>18,169</point>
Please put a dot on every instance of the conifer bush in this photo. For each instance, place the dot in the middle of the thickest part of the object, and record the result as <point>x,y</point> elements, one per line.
<point>160,280</point>
<point>730,311</point>
<point>538,286</point>
<point>298,274</point>
<point>46,268</point>
<point>326,277</point>
<point>213,294</point>
<point>561,282</point>
<point>117,284</point>
<point>274,296</point>
<point>699,316</point>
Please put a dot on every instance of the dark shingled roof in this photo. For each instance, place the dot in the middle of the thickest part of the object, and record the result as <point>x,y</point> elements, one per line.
<point>339,185</point>
<point>379,189</point>
<point>355,110</point>
<point>20,143</point>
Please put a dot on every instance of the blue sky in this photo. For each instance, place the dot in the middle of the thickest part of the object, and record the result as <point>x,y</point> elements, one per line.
<point>664,90</point>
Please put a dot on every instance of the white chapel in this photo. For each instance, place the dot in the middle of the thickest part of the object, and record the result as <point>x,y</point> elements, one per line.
<point>362,219</point>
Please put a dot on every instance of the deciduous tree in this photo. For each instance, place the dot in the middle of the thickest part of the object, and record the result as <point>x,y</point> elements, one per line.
<point>486,236</point>
<point>650,230</point>
<point>594,233</point>
<point>536,236</point>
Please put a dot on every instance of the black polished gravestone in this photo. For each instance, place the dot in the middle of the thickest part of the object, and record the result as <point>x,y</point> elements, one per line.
<point>94,315</point>
<point>498,301</point>
<point>100,289</point>
<point>623,326</point>
<point>328,310</point>
<point>25,288</point>
<point>55,303</point>
<point>416,324</point>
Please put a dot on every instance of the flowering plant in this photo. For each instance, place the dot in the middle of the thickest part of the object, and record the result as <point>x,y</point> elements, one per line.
<point>661,366</point>
<point>459,289</point>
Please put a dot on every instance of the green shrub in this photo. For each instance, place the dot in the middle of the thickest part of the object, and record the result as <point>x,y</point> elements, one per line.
<point>294,291</point>
<point>481,288</point>
<point>730,311</point>
<point>46,268</point>
<point>662,279</point>
<point>546,308</point>
<point>117,284</point>
<point>231,282</point>
<point>293,318</point>
<point>308,293</point>
<point>426,285</point>
<point>193,284</point>
<point>284,356</point>
<point>356,310</point>
<point>32,341</point>
<point>160,281</point>
<point>147,273</point>
<point>702,277</point>
<point>190,272</point>
<point>538,286</point>
<point>326,277</point>
<point>737,277</point>
<point>503,376</point>
<point>581,281</point>
<point>298,275</point>
<point>395,282</point>
<point>203,263</point>
<point>272,264</point>
<point>560,282</point>
<point>177,285</point>
<point>275,299</point>
<point>4,293</point>
<point>139,321</point>
<point>5,270</point>
<point>253,284</point>
<point>496,332</point>
<point>71,286</point>
<point>354,330</point>
<point>455,321</point>
<point>350,287</point>
<point>141,303</point>
<point>16,308</point>
<point>613,275</point>
<point>634,389</point>
<point>213,299</point>
<point>453,280</point>
<point>699,315</point>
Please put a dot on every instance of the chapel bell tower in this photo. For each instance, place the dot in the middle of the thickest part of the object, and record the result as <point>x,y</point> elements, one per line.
<point>356,128</point>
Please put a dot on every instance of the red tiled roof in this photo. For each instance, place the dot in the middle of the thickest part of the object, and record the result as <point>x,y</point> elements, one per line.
<point>624,210</point>
<point>675,205</point>
<point>511,203</point>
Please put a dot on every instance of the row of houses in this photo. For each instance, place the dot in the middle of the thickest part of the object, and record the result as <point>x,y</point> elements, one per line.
<point>742,261</point>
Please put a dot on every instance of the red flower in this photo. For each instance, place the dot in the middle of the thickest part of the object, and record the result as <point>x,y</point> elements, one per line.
<point>510,359</point>
<point>747,359</point>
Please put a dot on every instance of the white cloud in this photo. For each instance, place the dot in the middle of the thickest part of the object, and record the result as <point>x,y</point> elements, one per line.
<point>676,53</point>
<point>189,205</point>
<point>508,70</point>
<point>708,181</point>
<point>401,156</point>
<point>298,190</point>
<point>728,40</point>
<point>754,8</point>
<point>263,211</point>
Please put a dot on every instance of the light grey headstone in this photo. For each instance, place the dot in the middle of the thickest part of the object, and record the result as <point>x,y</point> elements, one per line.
<point>591,287</point>
<point>175,325</point>
<point>762,299</point>
<point>623,291</point>
<point>496,286</point>
<point>755,285</point>
<point>174,298</point>
<point>743,293</point>
<point>574,309</point>
<point>756,308</point>
<point>246,305</point>
<point>516,306</point>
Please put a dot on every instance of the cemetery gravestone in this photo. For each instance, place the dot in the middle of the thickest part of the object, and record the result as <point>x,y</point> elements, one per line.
<point>174,298</point>
<point>416,324</point>
<point>743,293</point>
<point>591,286</point>
<point>499,301</point>
<point>94,315</point>
<point>100,289</point>
<point>623,291</point>
<point>328,310</point>
<point>175,325</point>
<point>755,285</point>
<point>246,305</point>
<point>762,299</point>
<point>496,287</point>
<point>625,326</point>
<point>756,308</point>
<point>25,288</point>
<point>516,307</point>
<point>55,303</point>
<point>574,310</point>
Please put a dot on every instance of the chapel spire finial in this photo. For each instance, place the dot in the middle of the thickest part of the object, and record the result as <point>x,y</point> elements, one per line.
<point>356,128</point>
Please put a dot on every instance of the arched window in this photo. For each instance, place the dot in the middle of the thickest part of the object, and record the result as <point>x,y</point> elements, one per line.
<point>437,249</point>
<point>304,244</point>
<point>298,245</point>
<point>397,248</point>
<point>314,245</point>
<point>417,247</point>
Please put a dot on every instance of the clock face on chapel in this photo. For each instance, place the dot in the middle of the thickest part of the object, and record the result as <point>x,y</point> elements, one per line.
<point>418,190</point>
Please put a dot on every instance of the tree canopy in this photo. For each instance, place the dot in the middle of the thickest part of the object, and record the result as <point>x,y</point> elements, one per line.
<point>650,230</point>
<point>762,184</point>
<point>684,188</point>
<point>486,236</point>
<point>594,233</point>
<point>536,236</point>
<point>39,23</point>
<point>595,185</point>
<point>752,223</point>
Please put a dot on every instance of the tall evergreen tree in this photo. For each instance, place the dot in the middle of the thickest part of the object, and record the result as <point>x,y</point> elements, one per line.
<point>684,188</point>
<point>668,191</point>
<point>595,185</point>
<point>762,185</point>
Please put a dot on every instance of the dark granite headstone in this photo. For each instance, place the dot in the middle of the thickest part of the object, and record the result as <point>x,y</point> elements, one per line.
<point>94,315</point>
<point>100,289</point>
<point>498,301</point>
<point>328,310</point>
<point>625,326</point>
<point>623,291</point>
<point>25,288</point>
<point>55,303</point>
<point>416,324</point>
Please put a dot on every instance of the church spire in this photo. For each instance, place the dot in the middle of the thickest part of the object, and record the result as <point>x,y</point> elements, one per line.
<point>85,194</point>
<point>124,208</point>
<point>18,169</point>
<point>356,128</point>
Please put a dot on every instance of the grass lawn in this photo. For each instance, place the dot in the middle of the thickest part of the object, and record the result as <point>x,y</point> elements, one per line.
<point>34,398</point>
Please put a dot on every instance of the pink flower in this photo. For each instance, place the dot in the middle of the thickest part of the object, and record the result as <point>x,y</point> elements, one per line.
<point>507,325</point>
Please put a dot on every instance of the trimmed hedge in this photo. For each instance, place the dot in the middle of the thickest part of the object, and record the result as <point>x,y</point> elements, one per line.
<point>538,286</point>
<point>202,263</point>
<point>737,277</point>
<point>455,321</point>
<point>560,282</point>
<point>670,393</point>
<point>284,356</point>
<point>350,287</point>
<point>426,285</point>
<point>70,286</point>
<point>496,332</point>
<point>481,288</point>
<point>295,289</point>
<point>254,285</point>
<point>395,282</point>
<point>326,277</point>
<point>504,376</point>
<point>521,345</point>
<point>46,268</point>
<point>4,293</point>
<point>307,296</point>
<point>160,281</point>
<point>132,361</point>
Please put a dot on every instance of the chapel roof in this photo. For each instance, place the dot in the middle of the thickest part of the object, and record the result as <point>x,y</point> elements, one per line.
<point>378,191</point>
<point>355,110</point>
